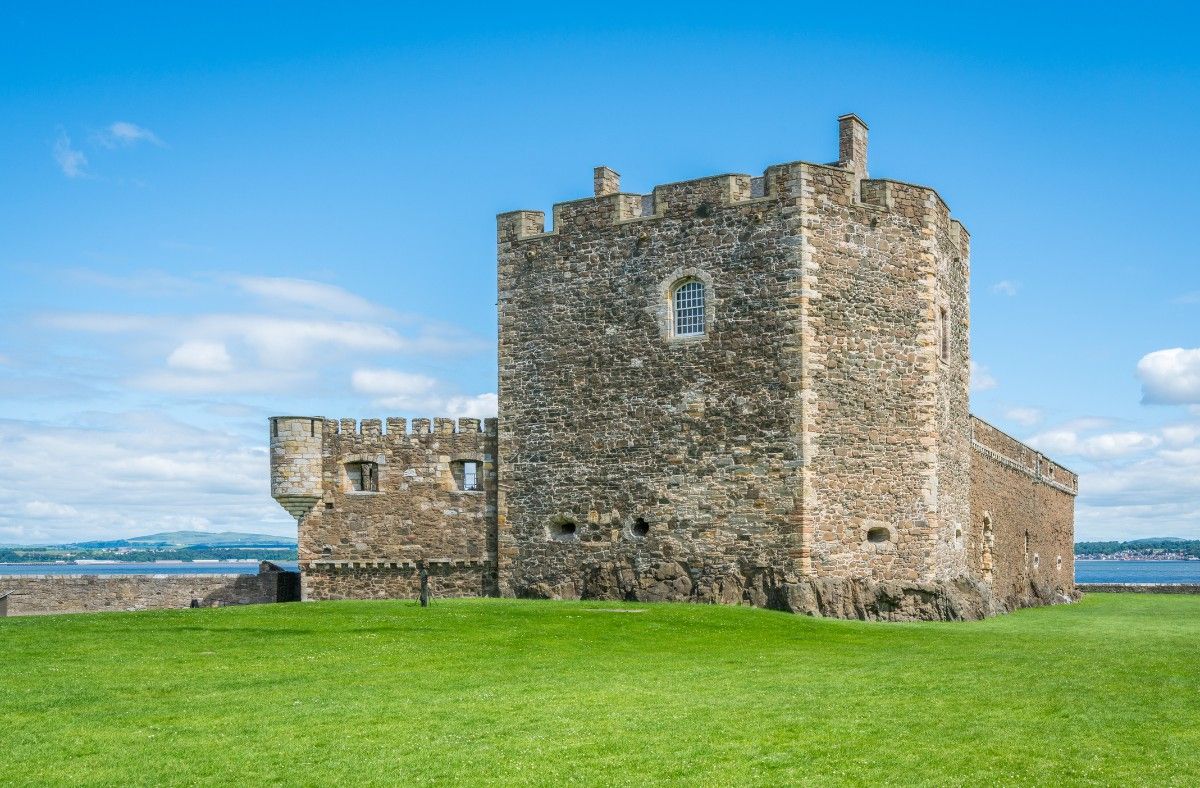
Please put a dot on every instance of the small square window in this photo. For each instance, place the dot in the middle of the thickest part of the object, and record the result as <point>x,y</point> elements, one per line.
<point>363,476</point>
<point>466,475</point>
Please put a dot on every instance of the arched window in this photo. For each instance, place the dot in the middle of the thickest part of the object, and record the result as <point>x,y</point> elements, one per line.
<point>687,302</point>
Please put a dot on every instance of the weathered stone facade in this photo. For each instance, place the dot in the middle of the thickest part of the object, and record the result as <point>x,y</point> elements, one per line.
<point>373,544</point>
<point>1022,538</point>
<point>802,442</point>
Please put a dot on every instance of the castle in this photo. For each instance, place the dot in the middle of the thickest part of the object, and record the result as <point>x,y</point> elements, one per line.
<point>736,389</point>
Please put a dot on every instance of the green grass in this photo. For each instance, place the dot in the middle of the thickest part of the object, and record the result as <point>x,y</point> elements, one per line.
<point>487,691</point>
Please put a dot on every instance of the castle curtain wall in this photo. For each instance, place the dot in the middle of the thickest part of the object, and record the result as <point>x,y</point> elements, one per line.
<point>1027,503</point>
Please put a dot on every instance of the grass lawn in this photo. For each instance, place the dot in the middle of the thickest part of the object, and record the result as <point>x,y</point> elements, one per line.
<point>489,691</point>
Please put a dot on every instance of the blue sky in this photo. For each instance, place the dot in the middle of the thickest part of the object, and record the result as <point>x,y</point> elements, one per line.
<point>216,213</point>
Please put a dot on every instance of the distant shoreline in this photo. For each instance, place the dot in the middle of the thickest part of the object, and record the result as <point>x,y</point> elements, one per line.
<point>1140,558</point>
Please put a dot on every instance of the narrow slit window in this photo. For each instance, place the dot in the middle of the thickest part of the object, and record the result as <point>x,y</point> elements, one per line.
<point>688,303</point>
<point>944,334</point>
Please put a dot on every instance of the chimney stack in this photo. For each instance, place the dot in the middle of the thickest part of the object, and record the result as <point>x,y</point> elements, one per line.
<point>852,144</point>
<point>606,181</point>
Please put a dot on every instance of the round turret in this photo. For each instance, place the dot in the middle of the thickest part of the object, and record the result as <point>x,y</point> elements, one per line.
<point>296,477</point>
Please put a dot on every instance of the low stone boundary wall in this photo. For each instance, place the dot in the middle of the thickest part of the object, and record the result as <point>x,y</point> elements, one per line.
<point>396,581</point>
<point>26,595</point>
<point>1141,588</point>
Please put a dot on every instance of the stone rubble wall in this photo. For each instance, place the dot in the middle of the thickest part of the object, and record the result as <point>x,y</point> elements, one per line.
<point>357,544</point>
<point>400,581</point>
<point>1139,588</point>
<point>607,419</point>
<point>814,410</point>
<point>887,417</point>
<point>42,594</point>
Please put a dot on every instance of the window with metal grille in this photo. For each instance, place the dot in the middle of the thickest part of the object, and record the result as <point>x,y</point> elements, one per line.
<point>688,302</point>
<point>363,476</point>
<point>466,475</point>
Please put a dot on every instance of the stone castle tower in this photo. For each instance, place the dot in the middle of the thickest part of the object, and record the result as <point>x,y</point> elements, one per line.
<point>735,389</point>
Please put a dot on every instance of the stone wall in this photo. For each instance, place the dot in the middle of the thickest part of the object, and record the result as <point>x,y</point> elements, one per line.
<point>368,543</point>
<point>1027,505</point>
<point>674,459</point>
<point>1139,588</point>
<point>815,410</point>
<point>399,581</point>
<point>41,594</point>
<point>886,421</point>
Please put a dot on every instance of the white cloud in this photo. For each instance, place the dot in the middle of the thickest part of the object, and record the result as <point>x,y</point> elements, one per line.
<point>305,292</point>
<point>277,340</point>
<point>245,381</point>
<point>1105,446</point>
<point>1086,424</point>
<point>200,356</point>
<point>281,341</point>
<point>243,347</point>
<point>1170,377</point>
<point>1186,457</point>
<point>1118,444</point>
<point>72,162</point>
<point>981,378</point>
<point>1153,496</point>
<point>413,393</point>
<point>392,383</point>
<point>124,474</point>
<point>1181,434</point>
<point>1026,417</point>
<point>1188,298</point>
<point>47,509</point>
<point>125,134</point>
<point>481,406</point>
<point>1006,287</point>
<point>1134,483</point>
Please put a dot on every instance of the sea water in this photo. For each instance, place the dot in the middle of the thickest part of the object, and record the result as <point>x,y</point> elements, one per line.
<point>1137,571</point>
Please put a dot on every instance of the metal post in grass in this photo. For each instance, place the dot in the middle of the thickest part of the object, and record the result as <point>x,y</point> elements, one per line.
<point>424,574</point>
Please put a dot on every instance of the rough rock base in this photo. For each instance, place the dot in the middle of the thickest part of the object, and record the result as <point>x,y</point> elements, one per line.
<point>855,598</point>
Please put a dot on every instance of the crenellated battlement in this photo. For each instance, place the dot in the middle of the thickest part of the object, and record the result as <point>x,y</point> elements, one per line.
<point>400,426</point>
<point>842,182</point>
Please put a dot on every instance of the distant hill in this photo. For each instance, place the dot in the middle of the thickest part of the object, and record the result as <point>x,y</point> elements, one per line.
<point>192,539</point>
